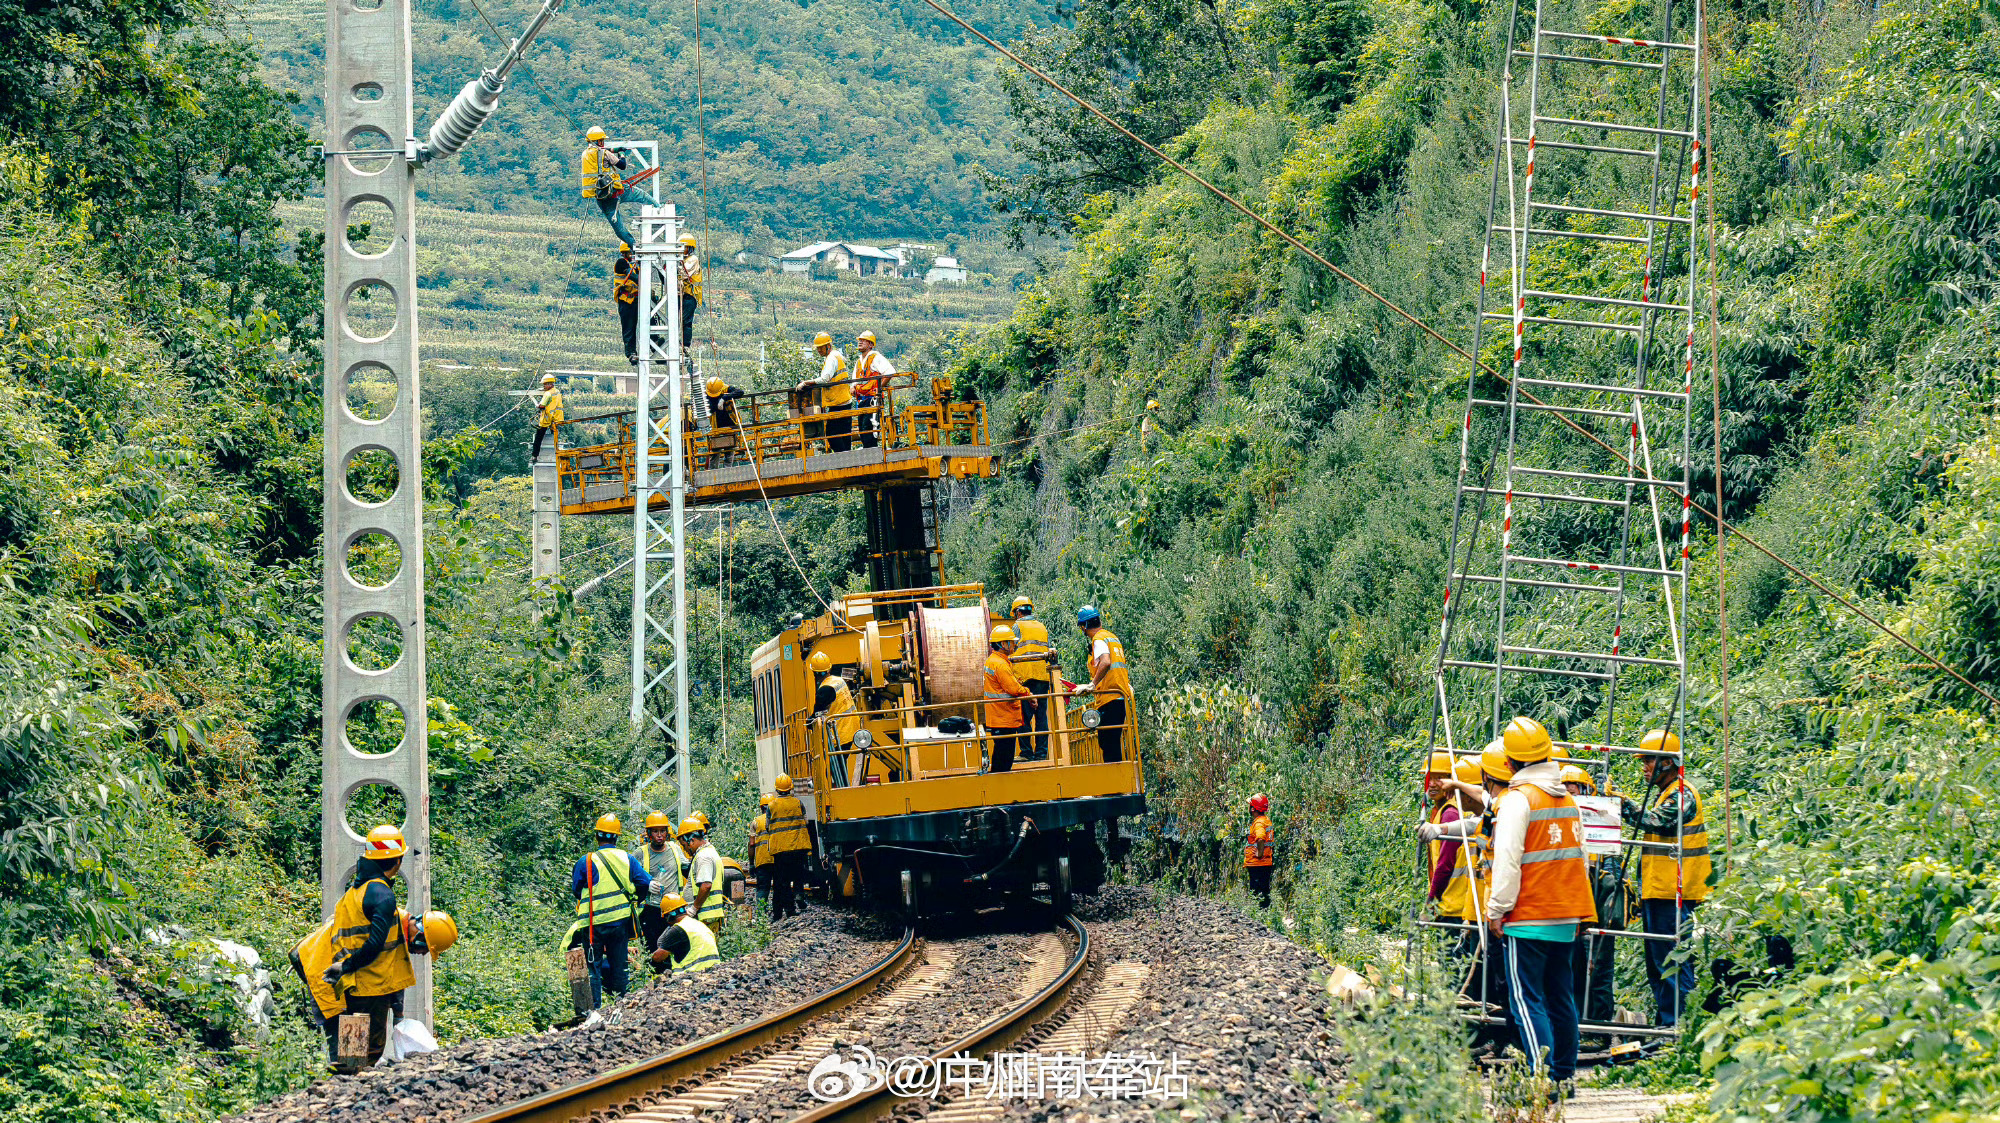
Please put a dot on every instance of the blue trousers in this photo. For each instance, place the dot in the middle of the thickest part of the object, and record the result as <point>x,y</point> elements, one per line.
<point>611,957</point>
<point>1671,988</point>
<point>1541,980</point>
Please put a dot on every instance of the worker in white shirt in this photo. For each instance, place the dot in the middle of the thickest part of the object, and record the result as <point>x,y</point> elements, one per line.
<point>871,374</point>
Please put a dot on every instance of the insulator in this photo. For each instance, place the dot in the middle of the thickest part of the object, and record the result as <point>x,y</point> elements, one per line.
<point>469,110</point>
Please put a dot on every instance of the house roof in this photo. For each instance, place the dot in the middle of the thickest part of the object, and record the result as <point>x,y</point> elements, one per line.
<point>946,263</point>
<point>855,248</point>
<point>871,251</point>
<point>813,250</point>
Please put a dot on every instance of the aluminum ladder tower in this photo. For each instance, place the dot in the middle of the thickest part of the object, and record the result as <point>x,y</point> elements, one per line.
<point>659,545</point>
<point>1581,580</point>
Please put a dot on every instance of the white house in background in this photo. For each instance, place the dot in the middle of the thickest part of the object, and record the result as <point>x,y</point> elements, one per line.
<point>947,270</point>
<point>849,257</point>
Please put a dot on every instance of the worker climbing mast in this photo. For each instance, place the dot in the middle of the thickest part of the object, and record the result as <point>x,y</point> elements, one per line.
<point>1569,569</point>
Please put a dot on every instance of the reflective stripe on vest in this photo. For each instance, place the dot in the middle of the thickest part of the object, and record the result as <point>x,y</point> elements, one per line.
<point>867,384</point>
<point>701,953</point>
<point>1555,883</point>
<point>786,829</point>
<point>598,160</point>
<point>1660,879</point>
<point>841,711</point>
<point>1003,709</point>
<point>1452,902</point>
<point>608,890</point>
<point>1116,683</point>
<point>716,905</point>
<point>390,970</point>
<point>1031,650</point>
<point>1260,852</point>
<point>838,393</point>
<point>757,843</point>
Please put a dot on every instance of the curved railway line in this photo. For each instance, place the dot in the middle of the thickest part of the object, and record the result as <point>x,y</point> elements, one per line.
<point>1058,996</point>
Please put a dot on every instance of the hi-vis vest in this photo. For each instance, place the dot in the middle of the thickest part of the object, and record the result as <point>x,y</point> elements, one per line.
<point>759,849</point>
<point>1555,882</point>
<point>1261,847</point>
<point>701,953</point>
<point>600,169</point>
<point>866,383</point>
<point>839,393</point>
<point>1116,684</point>
<point>841,711</point>
<point>785,830</point>
<point>717,905</point>
<point>624,283</point>
<point>1659,879</point>
<point>660,865</point>
<point>1453,900</point>
<point>691,285</point>
<point>549,409</point>
<point>1481,872</point>
<point>388,972</point>
<point>1031,650</point>
<point>608,894</point>
<point>1003,706</point>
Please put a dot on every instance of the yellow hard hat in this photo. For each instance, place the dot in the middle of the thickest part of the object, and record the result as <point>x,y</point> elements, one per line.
<point>822,340</point>
<point>596,133</point>
<point>1466,771</point>
<point>1152,403</point>
<point>1527,741</point>
<point>548,380</point>
<point>687,240</point>
<point>608,823</point>
<point>1001,634</point>
<point>866,335</point>
<point>1571,774</point>
<point>672,903</point>
<point>1021,603</point>
<point>715,387</point>
<point>658,819</point>
<point>1660,742</point>
<point>624,247</point>
<point>820,661</point>
<point>783,783</point>
<point>1493,762</point>
<point>435,931</point>
<point>764,801</point>
<point>691,825</point>
<point>1440,764</point>
<point>703,816</point>
<point>385,842</point>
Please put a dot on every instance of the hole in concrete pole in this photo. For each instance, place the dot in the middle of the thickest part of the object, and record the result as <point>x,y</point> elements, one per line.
<point>371,392</point>
<point>371,226</point>
<point>374,642</point>
<point>374,727</point>
<point>374,804</point>
<point>373,560</point>
<point>365,92</point>
<point>369,311</point>
<point>363,145</point>
<point>373,475</point>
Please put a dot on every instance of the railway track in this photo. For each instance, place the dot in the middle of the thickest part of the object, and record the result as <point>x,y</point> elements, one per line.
<point>710,1075</point>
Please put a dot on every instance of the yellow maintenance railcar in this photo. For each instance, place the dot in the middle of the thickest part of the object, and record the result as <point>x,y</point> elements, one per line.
<point>905,809</point>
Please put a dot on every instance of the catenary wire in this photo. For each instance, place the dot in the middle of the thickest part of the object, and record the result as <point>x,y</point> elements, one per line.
<point>1417,322</point>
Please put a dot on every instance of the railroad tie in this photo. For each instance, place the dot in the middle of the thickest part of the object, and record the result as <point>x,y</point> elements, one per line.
<point>922,981</point>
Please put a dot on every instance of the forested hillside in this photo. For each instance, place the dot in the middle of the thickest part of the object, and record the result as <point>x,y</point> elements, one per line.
<point>827,119</point>
<point>1271,546</point>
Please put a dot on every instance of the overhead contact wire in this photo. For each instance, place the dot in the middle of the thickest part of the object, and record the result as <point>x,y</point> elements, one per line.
<point>1418,323</point>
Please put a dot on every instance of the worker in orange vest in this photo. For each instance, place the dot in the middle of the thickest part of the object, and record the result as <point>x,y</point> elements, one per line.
<point>1004,719</point>
<point>1540,897</point>
<point>1260,849</point>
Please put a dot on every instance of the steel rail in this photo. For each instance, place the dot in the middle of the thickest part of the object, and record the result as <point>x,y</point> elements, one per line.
<point>624,1085</point>
<point>996,1035</point>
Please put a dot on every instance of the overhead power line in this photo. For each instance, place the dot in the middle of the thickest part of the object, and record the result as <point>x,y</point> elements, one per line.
<point>1722,525</point>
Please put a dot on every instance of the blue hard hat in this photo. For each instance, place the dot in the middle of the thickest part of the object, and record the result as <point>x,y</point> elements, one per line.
<point>1087,613</point>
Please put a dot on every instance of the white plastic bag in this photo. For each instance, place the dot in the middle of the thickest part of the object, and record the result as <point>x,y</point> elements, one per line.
<point>406,1039</point>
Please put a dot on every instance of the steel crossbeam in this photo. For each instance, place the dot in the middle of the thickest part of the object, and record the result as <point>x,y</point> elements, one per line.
<point>1508,642</point>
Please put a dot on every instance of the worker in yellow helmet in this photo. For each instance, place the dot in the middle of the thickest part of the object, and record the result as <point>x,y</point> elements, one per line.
<point>1004,692</point>
<point>836,394</point>
<point>625,294</point>
<point>1034,660</point>
<point>704,875</point>
<point>1449,859</point>
<point>369,965</point>
<point>722,399</point>
<point>609,885</point>
<point>871,375</point>
<point>760,856</point>
<point>548,414</point>
<point>1669,890</point>
<point>785,832</point>
<point>690,278</point>
<point>666,865</point>
<point>1110,683</point>
<point>685,945</point>
<point>601,180</point>
<point>836,719</point>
